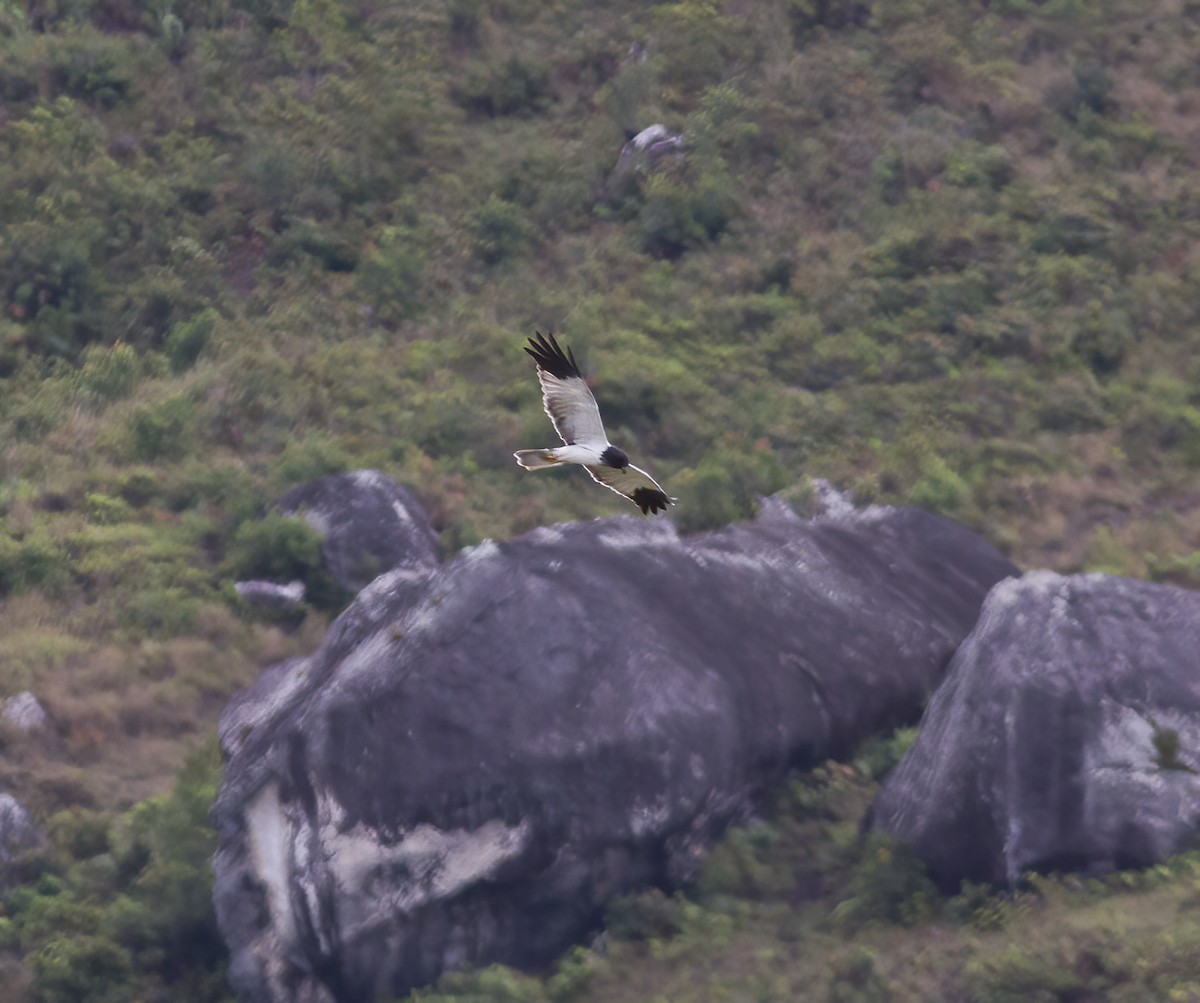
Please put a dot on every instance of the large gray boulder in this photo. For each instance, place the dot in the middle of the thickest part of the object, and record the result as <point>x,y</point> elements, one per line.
<point>370,525</point>
<point>476,759</point>
<point>1065,737</point>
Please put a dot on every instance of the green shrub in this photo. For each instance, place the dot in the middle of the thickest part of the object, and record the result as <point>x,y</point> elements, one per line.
<point>879,755</point>
<point>1018,976</point>
<point>741,864</point>
<point>316,455</point>
<point>506,85</point>
<point>503,230</point>
<point>888,884</point>
<point>283,549</point>
<point>1103,337</point>
<point>676,216</point>
<point>174,837</point>
<point>162,431</point>
<point>187,339</point>
<point>79,832</point>
<point>496,984</point>
<point>33,562</point>
<point>575,971</point>
<point>648,915</point>
<point>82,969</point>
<point>977,165</point>
<point>980,907</point>
<point>1178,569</point>
<point>109,373</point>
<point>939,489</point>
<point>726,485</point>
<point>107,510</point>
<point>390,276</point>
<point>855,980</point>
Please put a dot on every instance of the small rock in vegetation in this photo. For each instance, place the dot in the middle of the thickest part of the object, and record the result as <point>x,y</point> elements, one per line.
<point>23,712</point>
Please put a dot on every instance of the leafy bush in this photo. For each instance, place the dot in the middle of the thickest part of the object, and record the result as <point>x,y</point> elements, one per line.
<point>162,431</point>
<point>879,755</point>
<point>648,915</point>
<point>726,485</point>
<point>676,216</point>
<point>32,562</point>
<point>74,969</point>
<point>155,933</point>
<point>506,85</point>
<point>889,884</point>
<point>939,489</point>
<point>284,549</point>
<point>187,339</point>
<point>503,229</point>
<point>109,373</point>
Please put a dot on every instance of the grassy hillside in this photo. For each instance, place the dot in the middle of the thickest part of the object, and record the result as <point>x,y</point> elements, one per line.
<point>939,253</point>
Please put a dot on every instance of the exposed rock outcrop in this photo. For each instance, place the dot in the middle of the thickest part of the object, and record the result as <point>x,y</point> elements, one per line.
<point>19,833</point>
<point>24,712</point>
<point>1065,737</point>
<point>370,525</point>
<point>478,757</point>
<point>644,152</point>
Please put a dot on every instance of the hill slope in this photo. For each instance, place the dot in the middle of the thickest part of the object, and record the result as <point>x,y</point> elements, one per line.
<point>937,253</point>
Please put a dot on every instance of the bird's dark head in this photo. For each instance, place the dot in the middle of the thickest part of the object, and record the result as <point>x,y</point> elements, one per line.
<point>613,457</point>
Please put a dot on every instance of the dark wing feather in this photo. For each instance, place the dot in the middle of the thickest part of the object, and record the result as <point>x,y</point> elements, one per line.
<point>635,484</point>
<point>565,394</point>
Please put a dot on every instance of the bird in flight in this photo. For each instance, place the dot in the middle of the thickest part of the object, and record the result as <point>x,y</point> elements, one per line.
<point>572,409</point>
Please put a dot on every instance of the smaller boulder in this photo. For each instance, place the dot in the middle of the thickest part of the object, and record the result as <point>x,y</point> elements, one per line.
<point>23,712</point>
<point>655,140</point>
<point>1066,736</point>
<point>370,525</point>
<point>647,150</point>
<point>19,833</point>
<point>271,595</point>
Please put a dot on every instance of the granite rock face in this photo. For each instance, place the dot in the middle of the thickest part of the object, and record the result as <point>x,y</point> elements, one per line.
<point>480,755</point>
<point>370,525</point>
<point>1065,737</point>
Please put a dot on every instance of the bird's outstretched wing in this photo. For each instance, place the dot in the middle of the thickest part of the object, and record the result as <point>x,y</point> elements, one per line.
<point>565,395</point>
<point>635,484</point>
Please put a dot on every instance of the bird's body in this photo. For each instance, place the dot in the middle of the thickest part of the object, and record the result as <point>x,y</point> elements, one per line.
<point>576,418</point>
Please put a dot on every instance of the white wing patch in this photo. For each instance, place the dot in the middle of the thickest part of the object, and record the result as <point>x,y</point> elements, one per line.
<point>565,394</point>
<point>573,410</point>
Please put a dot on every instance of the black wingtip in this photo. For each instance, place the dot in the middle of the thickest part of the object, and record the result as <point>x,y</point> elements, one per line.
<point>651,501</point>
<point>549,356</point>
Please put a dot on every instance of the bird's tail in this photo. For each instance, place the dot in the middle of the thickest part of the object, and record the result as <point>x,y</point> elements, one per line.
<point>536,459</point>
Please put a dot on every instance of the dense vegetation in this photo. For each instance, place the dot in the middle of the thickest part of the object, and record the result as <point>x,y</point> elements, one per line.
<point>939,253</point>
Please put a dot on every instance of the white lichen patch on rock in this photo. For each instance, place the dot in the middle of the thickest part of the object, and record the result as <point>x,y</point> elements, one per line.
<point>626,532</point>
<point>840,506</point>
<point>428,865</point>
<point>270,837</point>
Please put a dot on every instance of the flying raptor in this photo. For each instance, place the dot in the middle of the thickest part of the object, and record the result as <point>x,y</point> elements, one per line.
<point>572,409</point>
